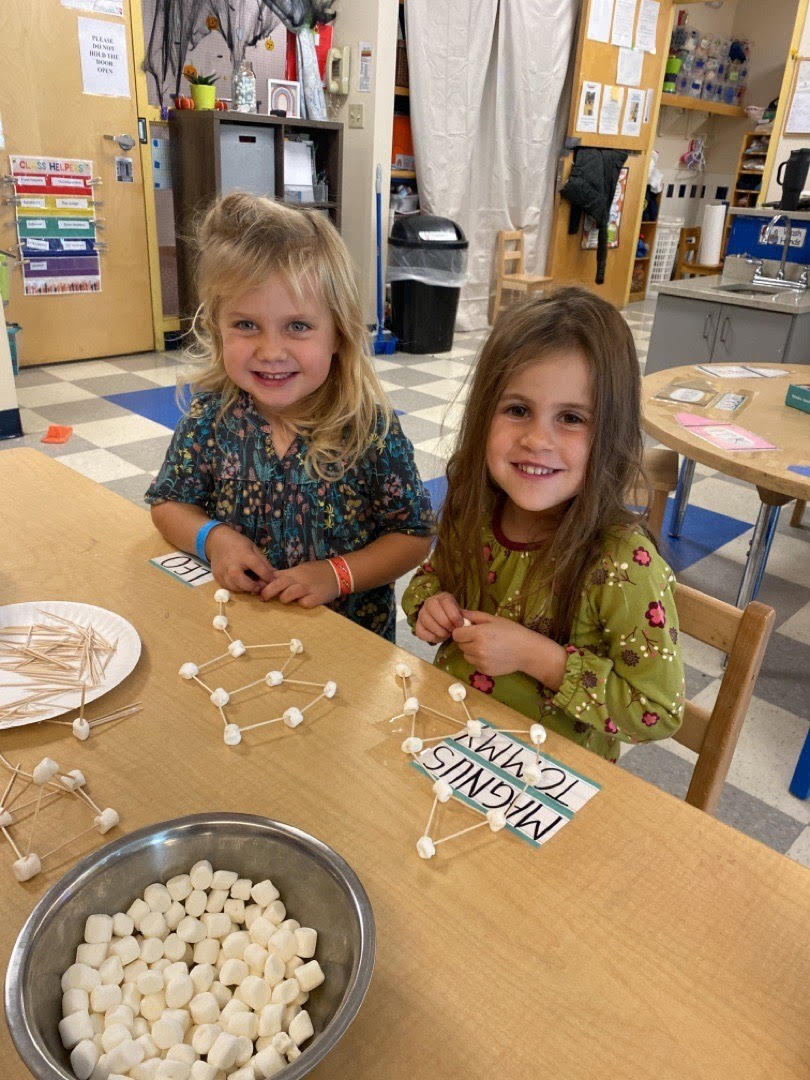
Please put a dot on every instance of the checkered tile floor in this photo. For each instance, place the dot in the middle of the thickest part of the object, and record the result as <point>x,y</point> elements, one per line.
<point>122,411</point>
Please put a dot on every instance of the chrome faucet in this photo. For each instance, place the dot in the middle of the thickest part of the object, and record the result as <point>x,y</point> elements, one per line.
<point>767,238</point>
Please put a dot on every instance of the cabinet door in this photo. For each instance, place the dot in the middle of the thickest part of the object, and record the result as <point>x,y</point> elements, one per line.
<point>684,332</point>
<point>751,336</point>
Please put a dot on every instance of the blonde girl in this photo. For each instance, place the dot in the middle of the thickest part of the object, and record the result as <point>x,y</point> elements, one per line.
<point>289,473</point>
<point>543,588</point>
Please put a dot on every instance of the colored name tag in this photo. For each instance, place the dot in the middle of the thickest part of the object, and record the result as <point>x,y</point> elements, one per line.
<point>184,568</point>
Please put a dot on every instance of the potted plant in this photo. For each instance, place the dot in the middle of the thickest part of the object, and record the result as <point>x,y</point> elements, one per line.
<point>203,91</point>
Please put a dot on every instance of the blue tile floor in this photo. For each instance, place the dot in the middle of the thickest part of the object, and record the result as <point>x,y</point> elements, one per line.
<point>123,410</point>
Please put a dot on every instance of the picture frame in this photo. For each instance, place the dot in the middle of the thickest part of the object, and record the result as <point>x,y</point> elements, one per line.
<point>282,94</point>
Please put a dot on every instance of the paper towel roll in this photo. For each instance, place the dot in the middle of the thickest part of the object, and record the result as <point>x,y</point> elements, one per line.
<point>711,234</point>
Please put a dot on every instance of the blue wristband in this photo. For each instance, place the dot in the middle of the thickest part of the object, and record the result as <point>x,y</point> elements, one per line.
<point>202,536</point>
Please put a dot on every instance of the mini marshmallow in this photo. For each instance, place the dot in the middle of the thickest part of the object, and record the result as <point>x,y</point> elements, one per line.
<point>457,691</point>
<point>136,911</point>
<point>411,706</point>
<point>179,887</point>
<point>206,951</point>
<point>179,992</point>
<point>234,945</point>
<point>270,1020</point>
<point>126,949</point>
<point>220,697</point>
<point>222,1054</point>
<point>301,1027</point>
<point>532,773</point>
<point>105,996</point>
<point>75,1000</point>
<point>121,1015</point>
<point>232,735</point>
<point>240,890</point>
<point>152,1006</point>
<point>293,717</point>
<point>174,947</point>
<point>330,689</point>
<point>201,874</point>
<point>286,992</point>
<point>237,648</point>
<point>442,791</point>
<point>403,671</point>
<point>83,1058</point>
<point>80,977</point>
<point>203,975</point>
<point>93,955</point>
<point>284,943</point>
<point>496,819</point>
<point>274,678</point>
<point>264,892</point>
<point>204,1036</point>
<point>81,728</point>
<point>220,622</point>
<point>123,924</point>
<point>474,728</point>
<point>282,1042</point>
<point>113,1035</point>
<point>247,1073</point>
<point>182,1016</point>
<point>98,928</point>
<point>296,646</point>
<point>274,913</point>
<point>175,970</point>
<point>243,1023</point>
<point>167,1032</point>
<point>44,771</point>
<point>309,975</point>
<point>106,820</point>
<point>267,1063</point>
<point>224,879</point>
<point>425,847</point>
<point>73,779</point>
<point>289,924</point>
<point>175,915</point>
<point>5,819</point>
<point>254,992</point>
<point>411,745</point>
<point>158,897</point>
<point>133,971</point>
<point>217,924</point>
<point>261,931</point>
<point>252,912</point>
<point>195,902</point>
<point>233,972</point>
<point>222,596</point>
<point>154,925</point>
<point>125,1056</point>
<point>130,997</point>
<point>255,957</point>
<point>74,1029</point>
<point>306,940</point>
<point>150,982</point>
<point>537,734</point>
<point>171,1070</point>
<point>274,968</point>
<point>292,966</point>
<point>204,1008</point>
<point>188,670</point>
<point>191,930</point>
<point>231,1008</point>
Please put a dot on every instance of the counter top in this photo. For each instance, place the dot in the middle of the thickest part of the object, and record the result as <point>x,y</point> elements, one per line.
<point>706,288</point>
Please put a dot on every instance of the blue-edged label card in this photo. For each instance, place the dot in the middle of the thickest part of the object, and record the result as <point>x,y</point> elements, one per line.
<point>183,567</point>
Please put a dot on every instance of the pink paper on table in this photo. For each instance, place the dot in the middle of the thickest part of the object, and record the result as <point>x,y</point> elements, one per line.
<point>725,436</point>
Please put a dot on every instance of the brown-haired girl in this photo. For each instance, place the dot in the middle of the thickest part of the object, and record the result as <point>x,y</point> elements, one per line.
<point>289,474</point>
<point>543,587</point>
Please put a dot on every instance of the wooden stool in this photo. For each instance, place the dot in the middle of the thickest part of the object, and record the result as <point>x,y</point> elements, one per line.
<point>509,275</point>
<point>661,470</point>
<point>686,263</point>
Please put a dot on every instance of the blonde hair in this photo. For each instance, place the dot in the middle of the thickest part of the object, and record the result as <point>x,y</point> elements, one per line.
<point>241,241</point>
<point>570,319</point>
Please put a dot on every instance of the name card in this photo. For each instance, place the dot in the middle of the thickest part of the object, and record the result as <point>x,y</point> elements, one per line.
<point>184,568</point>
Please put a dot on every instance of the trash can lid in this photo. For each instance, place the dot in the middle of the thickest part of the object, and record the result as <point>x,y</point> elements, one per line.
<point>427,230</point>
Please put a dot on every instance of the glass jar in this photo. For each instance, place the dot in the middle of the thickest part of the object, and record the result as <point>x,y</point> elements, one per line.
<point>244,88</point>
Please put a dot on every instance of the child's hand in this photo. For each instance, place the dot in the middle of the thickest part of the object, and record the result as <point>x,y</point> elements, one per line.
<point>234,559</point>
<point>310,584</point>
<point>495,645</point>
<point>438,617</point>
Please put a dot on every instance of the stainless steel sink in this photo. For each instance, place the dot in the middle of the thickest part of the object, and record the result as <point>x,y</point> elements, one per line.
<point>748,288</point>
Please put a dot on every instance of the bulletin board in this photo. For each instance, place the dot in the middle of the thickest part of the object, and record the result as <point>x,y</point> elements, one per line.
<point>617,78</point>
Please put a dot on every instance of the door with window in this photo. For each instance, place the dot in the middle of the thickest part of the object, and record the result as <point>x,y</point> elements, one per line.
<point>46,114</point>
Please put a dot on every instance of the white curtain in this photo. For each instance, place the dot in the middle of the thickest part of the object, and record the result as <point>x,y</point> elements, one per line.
<point>488,113</point>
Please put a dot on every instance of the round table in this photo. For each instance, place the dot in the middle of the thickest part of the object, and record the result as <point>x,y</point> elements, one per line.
<point>765,414</point>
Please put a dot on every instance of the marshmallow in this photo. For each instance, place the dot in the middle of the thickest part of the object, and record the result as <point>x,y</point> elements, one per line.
<point>106,820</point>
<point>81,728</point>
<point>274,969</point>
<point>306,940</point>
<point>136,911</point>
<point>442,791</point>
<point>411,745</point>
<point>242,1024</point>
<point>93,955</point>
<point>237,648</point>
<point>174,916</point>
<point>206,951</point>
<point>203,1008</point>
<point>126,949</point>
<point>220,697</point>
<point>474,728</point>
<point>188,670</point>
<point>195,902</point>
<point>191,930</point>
<point>274,913</point>
<point>240,890</point>
<point>295,646</point>
<point>80,977</point>
<point>403,671</point>
<point>284,943</point>
<point>232,735</point>
<point>98,928</point>
<point>248,1073</point>
<point>285,992</point>
<point>73,779</point>
<point>174,947</point>
<point>309,975</point>
<point>154,925</point>
<point>224,879</point>
<point>123,924</point>
<point>5,819</point>
<point>252,912</point>
<point>264,892</point>
<point>233,972</point>
<point>255,957</point>
<point>179,992</point>
<point>133,971</point>
<point>150,982</point>
<point>220,622</point>
<point>234,944</point>
<point>181,1052</point>
<point>282,1042</point>
<point>261,931</point>
<point>105,996</point>
<point>293,717</point>
<point>74,1029</point>
<point>83,1058</point>
<point>532,773</point>
<point>217,924</point>
<point>330,689</point>
<point>157,897</point>
<point>537,734</point>
<point>112,971</point>
<point>496,819</point>
<point>425,847</point>
<point>222,596</point>
<point>131,998</point>
<point>457,691</point>
<point>292,966</point>
<point>301,1027</point>
<point>44,771</point>
<point>152,1006</point>
<point>203,975</point>
<point>167,1032</point>
<point>411,706</point>
<point>179,887</point>
<point>201,875</point>
<point>125,1056</point>
<point>270,1020</point>
<point>222,1054</point>
<point>268,1062</point>
<point>204,1036</point>
<point>113,1035</point>
<point>75,1000</point>
<point>274,678</point>
<point>171,1070</point>
<point>254,992</point>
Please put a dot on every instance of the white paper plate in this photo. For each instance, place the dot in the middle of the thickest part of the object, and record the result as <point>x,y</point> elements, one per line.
<point>107,623</point>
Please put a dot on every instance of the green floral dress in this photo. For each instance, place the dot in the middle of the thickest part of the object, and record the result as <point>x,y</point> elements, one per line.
<point>232,471</point>
<point>623,675</point>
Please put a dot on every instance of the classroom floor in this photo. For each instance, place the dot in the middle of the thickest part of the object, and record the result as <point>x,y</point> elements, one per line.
<point>122,411</point>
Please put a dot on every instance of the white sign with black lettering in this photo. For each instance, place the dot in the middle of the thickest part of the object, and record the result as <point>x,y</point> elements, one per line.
<point>487,773</point>
<point>103,52</point>
<point>184,567</point>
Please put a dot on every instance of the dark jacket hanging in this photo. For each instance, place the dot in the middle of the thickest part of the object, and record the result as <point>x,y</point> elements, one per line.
<point>590,189</point>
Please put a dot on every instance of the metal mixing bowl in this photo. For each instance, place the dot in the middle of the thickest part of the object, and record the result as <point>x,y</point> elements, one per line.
<point>317,886</point>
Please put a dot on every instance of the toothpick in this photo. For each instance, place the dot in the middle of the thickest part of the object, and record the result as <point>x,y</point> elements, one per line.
<point>452,836</point>
<point>59,847</point>
<point>83,795</point>
<point>34,822</point>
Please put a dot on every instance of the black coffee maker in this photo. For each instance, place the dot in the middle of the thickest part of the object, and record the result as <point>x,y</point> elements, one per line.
<point>791,176</point>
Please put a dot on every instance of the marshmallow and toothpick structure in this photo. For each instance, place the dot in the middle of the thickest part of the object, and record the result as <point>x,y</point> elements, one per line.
<point>220,698</point>
<point>413,745</point>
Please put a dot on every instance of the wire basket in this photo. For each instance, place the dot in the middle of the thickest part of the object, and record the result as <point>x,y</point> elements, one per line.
<point>665,251</point>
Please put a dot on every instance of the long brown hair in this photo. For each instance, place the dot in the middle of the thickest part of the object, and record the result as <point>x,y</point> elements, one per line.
<point>244,239</point>
<point>569,319</point>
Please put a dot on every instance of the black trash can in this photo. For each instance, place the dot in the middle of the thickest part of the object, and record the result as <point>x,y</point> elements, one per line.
<point>427,265</point>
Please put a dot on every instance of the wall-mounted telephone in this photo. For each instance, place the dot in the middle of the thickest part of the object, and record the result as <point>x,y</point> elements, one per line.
<point>338,65</point>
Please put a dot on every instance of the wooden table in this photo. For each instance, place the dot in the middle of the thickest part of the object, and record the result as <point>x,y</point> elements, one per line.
<point>646,940</point>
<point>766,414</point>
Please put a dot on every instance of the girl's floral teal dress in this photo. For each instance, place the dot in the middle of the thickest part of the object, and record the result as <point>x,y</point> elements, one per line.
<point>232,471</point>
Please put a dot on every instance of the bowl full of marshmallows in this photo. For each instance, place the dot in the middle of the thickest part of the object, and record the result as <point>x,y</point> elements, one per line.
<point>208,947</point>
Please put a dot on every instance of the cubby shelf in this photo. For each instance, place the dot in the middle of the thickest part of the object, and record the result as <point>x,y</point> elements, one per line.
<point>680,101</point>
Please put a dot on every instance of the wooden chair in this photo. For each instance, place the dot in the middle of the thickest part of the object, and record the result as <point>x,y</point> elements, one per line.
<point>509,274</point>
<point>798,513</point>
<point>713,733</point>
<point>686,262</point>
<point>661,471</point>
